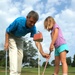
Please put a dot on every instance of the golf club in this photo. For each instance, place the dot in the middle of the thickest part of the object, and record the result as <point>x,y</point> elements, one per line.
<point>39,38</point>
<point>6,63</point>
<point>46,64</point>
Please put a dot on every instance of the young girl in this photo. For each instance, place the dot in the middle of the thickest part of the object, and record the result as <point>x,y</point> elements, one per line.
<point>58,42</point>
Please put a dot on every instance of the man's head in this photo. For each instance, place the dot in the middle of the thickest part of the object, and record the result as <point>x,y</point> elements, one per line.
<point>32,18</point>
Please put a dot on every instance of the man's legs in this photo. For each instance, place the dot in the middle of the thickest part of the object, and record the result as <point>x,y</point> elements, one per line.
<point>19,42</point>
<point>19,61</point>
<point>20,55</point>
<point>13,56</point>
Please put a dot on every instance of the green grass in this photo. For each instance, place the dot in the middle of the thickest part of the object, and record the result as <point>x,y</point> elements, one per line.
<point>34,71</point>
<point>29,71</point>
<point>50,70</point>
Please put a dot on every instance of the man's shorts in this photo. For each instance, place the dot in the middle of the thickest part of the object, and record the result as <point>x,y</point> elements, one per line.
<point>60,49</point>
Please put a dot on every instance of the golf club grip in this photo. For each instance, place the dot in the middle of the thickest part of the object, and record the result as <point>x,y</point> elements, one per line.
<point>49,52</point>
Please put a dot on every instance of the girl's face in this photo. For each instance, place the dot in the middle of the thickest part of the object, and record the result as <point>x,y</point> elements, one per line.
<point>49,24</point>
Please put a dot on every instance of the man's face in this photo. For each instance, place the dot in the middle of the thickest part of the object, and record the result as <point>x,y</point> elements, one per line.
<point>30,22</point>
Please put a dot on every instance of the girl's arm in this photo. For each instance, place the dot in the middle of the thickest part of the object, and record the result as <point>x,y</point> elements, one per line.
<point>54,37</point>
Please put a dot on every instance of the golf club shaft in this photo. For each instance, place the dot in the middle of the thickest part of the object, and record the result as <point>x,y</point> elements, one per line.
<point>6,63</point>
<point>46,64</point>
<point>38,60</point>
<point>45,67</point>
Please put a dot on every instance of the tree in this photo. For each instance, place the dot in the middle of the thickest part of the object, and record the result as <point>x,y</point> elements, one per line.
<point>48,65</point>
<point>2,58</point>
<point>53,62</point>
<point>73,63</point>
<point>2,53</point>
<point>29,53</point>
<point>68,59</point>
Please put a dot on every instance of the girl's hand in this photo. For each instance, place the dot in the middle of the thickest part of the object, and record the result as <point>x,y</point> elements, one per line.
<point>51,47</point>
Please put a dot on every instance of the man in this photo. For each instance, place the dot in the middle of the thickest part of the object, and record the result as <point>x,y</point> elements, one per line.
<point>14,41</point>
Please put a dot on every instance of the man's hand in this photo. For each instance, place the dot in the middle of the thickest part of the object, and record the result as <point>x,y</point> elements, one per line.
<point>6,46</point>
<point>6,41</point>
<point>45,55</point>
<point>39,46</point>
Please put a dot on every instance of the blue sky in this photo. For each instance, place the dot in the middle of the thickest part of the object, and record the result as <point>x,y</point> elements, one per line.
<point>63,12</point>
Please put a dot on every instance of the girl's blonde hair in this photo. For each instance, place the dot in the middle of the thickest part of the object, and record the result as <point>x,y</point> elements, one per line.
<point>49,22</point>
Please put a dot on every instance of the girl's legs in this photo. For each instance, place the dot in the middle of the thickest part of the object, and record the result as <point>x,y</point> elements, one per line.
<point>57,62</point>
<point>63,61</point>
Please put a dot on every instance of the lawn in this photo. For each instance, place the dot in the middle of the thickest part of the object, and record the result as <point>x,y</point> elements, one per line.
<point>34,71</point>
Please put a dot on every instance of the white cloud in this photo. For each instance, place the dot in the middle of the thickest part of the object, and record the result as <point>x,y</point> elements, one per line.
<point>72,5</point>
<point>53,2</point>
<point>39,7</point>
<point>31,2</point>
<point>66,19</point>
<point>26,10</point>
<point>4,5</point>
<point>68,16</point>
<point>13,11</point>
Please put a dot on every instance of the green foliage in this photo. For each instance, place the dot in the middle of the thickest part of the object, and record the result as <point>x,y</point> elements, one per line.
<point>53,62</point>
<point>48,65</point>
<point>68,59</point>
<point>34,63</point>
<point>2,54</point>
<point>3,58</point>
<point>73,63</point>
<point>29,53</point>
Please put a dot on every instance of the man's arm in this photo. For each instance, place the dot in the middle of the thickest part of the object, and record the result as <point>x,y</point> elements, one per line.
<point>39,46</point>
<point>6,41</point>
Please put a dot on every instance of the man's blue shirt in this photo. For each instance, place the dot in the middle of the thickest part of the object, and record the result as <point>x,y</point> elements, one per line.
<point>18,28</point>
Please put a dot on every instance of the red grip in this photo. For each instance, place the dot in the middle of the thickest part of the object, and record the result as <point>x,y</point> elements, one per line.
<point>38,37</point>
